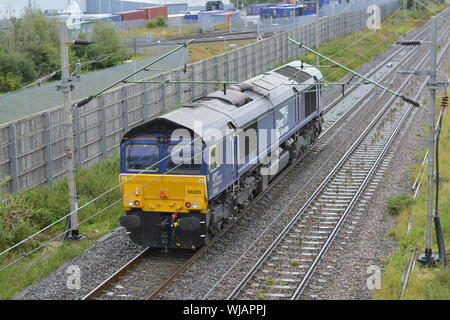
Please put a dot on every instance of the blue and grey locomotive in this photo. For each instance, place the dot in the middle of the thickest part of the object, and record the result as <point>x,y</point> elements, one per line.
<point>186,173</point>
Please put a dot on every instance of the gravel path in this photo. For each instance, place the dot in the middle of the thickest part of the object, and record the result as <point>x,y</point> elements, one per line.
<point>98,262</point>
<point>197,282</point>
<point>371,243</point>
<point>348,262</point>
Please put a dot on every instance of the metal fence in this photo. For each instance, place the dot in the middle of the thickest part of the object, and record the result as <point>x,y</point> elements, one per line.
<point>32,150</point>
<point>264,27</point>
<point>130,24</point>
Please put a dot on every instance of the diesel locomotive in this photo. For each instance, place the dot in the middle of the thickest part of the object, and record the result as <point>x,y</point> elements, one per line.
<point>185,174</point>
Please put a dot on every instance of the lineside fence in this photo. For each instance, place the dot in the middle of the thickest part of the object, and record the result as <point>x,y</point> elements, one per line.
<point>32,150</point>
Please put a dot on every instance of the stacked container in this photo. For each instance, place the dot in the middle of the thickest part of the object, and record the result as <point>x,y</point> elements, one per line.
<point>255,9</point>
<point>225,17</point>
<point>154,12</point>
<point>133,15</point>
<point>191,16</point>
<point>281,11</point>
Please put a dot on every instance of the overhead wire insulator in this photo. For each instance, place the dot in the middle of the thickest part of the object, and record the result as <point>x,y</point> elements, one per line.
<point>410,43</point>
<point>83,102</point>
<point>411,101</point>
<point>82,42</point>
<point>444,101</point>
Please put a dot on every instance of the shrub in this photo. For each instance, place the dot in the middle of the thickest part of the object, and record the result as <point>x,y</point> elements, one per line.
<point>151,24</point>
<point>161,21</point>
<point>10,82</point>
<point>106,42</point>
<point>30,48</point>
<point>397,204</point>
<point>15,69</point>
<point>30,210</point>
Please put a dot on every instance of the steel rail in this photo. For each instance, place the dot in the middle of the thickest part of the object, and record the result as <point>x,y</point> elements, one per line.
<point>372,72</point>
<point>361,99</point>
<point>94,293</point>
<point>255,268</point>
<point>107,283</point>
<point>357,195</point>
<point>183,268</point>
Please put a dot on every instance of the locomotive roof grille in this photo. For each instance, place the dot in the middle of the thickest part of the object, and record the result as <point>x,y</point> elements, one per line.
<point>293,74</point>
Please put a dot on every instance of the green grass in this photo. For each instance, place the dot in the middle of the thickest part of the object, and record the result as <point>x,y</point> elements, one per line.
<point>365,47</point>
<point>295,263</point>
<point>424,283</point>
<point>26,212</point>
<point>399,203</point>
<point>165,32</point>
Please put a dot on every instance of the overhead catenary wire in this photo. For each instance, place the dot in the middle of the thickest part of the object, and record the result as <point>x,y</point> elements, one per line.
<point>107,192</point>
<point>49,76</point>
<point>403,97</point>
<point>261,234</point>
<point>432,11</point>
<point>119,184</point>
<point>95,199</point>
<point>362,38</point>
<point>59,220</point>
<point>88,99</point>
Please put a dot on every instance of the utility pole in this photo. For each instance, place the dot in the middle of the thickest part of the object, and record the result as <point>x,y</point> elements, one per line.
<point>428,258</point>
<point>317,30</point>
<point>70,149</point>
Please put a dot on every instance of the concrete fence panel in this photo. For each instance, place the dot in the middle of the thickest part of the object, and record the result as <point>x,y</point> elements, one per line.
<point>33,150</point>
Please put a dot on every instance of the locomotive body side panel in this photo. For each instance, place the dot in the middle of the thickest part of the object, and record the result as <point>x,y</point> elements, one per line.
<point>259,125</point>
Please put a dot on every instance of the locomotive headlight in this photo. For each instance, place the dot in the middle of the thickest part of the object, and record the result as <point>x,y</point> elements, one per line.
<point>130,203</point>
<point>194,205</point>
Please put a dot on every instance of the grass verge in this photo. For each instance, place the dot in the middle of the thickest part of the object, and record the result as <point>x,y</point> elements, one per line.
<point>160,32</point>
<point>202,51</point>
<point>368,46</point>
<point>424,283</point>
<point>26,212</point>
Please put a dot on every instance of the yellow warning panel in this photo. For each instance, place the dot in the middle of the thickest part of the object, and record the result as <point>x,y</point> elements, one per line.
<point>164,193</point>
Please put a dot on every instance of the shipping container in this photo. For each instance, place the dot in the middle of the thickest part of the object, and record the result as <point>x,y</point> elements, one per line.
<point>116,18</point>
<point>207,15</point>
<point>191,16</point>
<point>281,11</point>
<point>133,15</point>
<point>310,6</point>
<point>224,16</point>
<point>154,12</point>
<point>220,18</point>
<point>255,9</point>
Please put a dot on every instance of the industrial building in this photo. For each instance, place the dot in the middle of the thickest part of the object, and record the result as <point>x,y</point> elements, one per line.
<point>16,8</point>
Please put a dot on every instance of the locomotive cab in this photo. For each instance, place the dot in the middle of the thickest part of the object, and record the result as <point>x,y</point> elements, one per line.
<point>164,187</point>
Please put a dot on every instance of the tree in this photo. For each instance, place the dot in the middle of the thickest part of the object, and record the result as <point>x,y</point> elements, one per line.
<point>30,49</point>
<point>17,64</point>
<point>37,37</point>
<point>106,42</point>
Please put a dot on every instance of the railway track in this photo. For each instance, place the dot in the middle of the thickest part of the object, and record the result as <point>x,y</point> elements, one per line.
<point>168,267</point>
<point>141,275</point>
<point>289,263</point>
